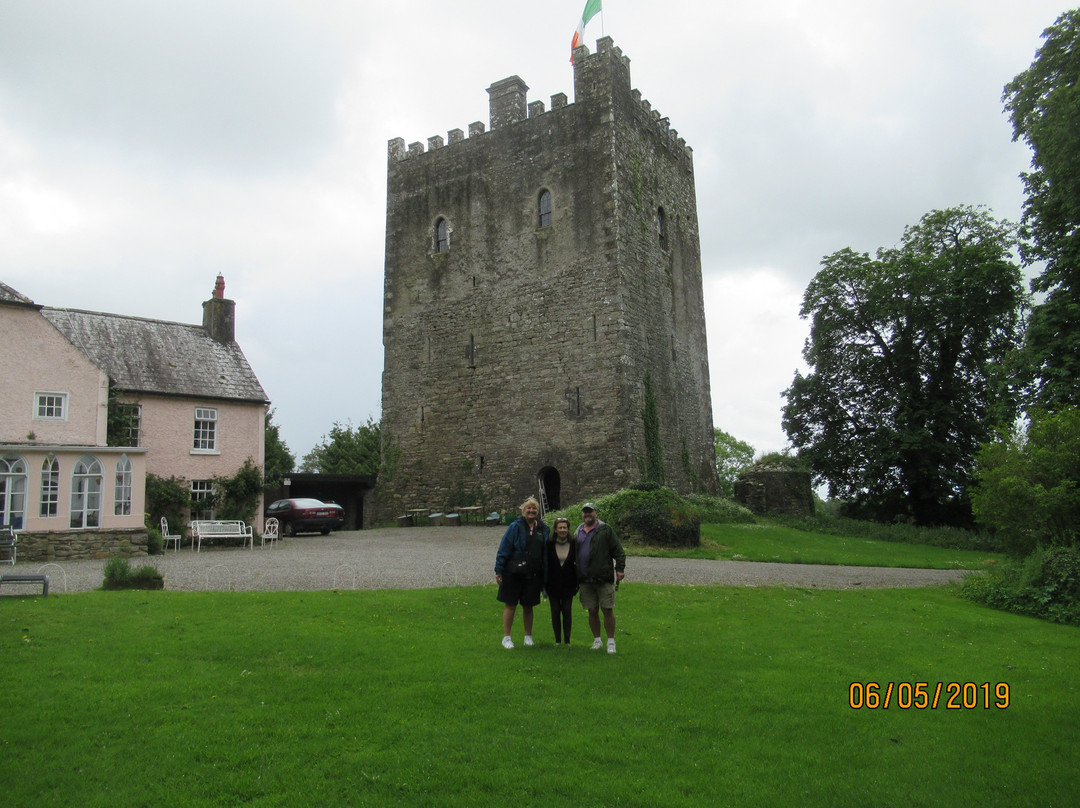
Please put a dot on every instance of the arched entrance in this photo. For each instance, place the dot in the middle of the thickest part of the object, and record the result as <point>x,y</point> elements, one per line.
<point>550,488</point>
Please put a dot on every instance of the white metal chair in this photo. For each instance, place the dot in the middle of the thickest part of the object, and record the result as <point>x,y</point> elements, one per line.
<point>9,541</point>
<point>167,537</point>
<point>270,531</point>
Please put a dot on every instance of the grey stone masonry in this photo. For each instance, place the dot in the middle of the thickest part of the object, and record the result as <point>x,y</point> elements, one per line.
<point>535,275</point>
<point>70,545</point>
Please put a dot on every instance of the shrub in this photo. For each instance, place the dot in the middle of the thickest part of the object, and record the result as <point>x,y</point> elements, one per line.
<point>656,516</point>
<point>155,544</point>
<point>120,575</point>
<point>1046,584</point>
<point>953,538</point>
<point>719,511</point>
<point>1028,483</point>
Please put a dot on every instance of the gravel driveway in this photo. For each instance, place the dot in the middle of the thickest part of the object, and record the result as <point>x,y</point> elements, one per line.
<point>414,558</point>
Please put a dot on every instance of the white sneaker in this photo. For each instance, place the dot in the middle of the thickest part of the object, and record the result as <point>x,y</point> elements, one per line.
<point>528,641</point>
<point>507,642</point>
<point>597,644</point>
<point>611,646</point>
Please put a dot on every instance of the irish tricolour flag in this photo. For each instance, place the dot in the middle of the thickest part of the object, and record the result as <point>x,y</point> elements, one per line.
<point>592,8</point>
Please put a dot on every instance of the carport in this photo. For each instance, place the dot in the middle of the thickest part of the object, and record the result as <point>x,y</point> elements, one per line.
<point>351,491</point>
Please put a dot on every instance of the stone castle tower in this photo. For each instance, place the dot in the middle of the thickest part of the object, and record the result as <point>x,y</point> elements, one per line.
<point>537,275</point>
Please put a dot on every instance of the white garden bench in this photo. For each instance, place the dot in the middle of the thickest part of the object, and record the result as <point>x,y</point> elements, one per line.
<point>221,528</point>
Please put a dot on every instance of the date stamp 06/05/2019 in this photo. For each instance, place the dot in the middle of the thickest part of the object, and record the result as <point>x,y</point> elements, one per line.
<point>926,696</point>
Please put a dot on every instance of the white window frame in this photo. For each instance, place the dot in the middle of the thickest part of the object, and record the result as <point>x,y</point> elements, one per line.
<point>134,429</point>
<point>205,435</point>
<point>122,493</point>
<point>46,402</point>
<point>200,490</point>
<point>85,511</point>
<point>49,506</point>
<point>13,480</point>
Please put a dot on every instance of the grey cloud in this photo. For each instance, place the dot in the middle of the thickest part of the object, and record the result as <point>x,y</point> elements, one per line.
<point>231,87</point>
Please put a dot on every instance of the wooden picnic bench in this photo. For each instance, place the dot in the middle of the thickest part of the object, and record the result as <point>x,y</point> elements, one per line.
<point>221,528</point>
<point>27,578</point>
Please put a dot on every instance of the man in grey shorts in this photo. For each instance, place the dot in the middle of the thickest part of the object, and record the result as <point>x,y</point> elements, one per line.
<point>600,563</point>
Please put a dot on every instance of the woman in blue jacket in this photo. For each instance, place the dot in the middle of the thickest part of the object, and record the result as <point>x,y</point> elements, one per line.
<point>519,569</point>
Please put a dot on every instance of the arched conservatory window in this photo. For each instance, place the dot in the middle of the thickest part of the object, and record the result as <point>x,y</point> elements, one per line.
<point>12,490</point>
<point>86,493</point>
<point>50,487</point>
<point>122,498</point>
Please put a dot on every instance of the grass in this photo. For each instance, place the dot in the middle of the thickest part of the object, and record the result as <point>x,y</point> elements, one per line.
<point>718,695</point>
<point>771,542</point>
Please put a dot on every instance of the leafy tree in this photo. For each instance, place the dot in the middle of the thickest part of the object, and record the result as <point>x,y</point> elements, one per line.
<point>236,497</point>
<point>279,461</point>
<point>908,354</point>
<point>732,456</point>
<point>169,497</point>
<point>346,450</point>
<point>1043,103</point>
<point>1028,483</point>
<point>121,420</point>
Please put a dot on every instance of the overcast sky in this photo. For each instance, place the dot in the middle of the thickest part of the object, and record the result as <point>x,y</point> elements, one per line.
<point>146,146</point>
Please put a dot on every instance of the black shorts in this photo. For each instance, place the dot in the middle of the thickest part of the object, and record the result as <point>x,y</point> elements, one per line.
<point>523,589</point>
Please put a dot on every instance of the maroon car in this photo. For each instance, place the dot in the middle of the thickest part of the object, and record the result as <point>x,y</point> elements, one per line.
<point>306,516</point>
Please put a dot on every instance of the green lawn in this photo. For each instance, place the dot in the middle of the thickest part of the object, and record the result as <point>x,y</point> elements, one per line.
<point>767,542</point>
<point>718,696</point>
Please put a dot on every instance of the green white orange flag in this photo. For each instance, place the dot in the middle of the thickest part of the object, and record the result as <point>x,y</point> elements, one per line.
<point>592,8</point>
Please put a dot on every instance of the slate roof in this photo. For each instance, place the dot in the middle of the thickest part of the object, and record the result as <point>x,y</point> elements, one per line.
<point>9,295</point>
<point>155,356</point>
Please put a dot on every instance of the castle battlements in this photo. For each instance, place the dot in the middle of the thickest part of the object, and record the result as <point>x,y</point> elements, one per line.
<point>509,105</point>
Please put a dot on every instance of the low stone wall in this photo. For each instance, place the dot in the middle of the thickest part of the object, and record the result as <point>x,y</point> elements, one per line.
<point>69,545</point>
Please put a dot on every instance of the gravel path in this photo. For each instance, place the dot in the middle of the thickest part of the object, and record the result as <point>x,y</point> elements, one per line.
<point>414,558</point>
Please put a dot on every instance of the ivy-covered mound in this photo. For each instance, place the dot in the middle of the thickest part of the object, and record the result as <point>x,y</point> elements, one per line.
<point>652,515</point>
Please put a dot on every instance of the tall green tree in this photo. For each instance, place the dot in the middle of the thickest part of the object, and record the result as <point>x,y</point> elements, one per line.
<point>346,450</point>
<point>1028,483</point>
<point>278,460</point>
<point>732,456</point>
<point>908,355</point>
<point>1043,103</point>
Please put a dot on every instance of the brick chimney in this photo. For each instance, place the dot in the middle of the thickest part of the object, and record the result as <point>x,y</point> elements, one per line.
<point>219,314</point>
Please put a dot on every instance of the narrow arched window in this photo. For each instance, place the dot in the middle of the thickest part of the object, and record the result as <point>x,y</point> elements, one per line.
<point>12,490</point>
<point>86,493</point>
<point>661,228</point>
<point>545,208</point>
<point>50,487</point>
<point>122,493</point>
<point>442,236</point>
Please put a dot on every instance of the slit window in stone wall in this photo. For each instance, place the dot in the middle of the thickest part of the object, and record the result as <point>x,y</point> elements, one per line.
<point>545,208</point>
<point>442,236</point>
<point>661,228</point>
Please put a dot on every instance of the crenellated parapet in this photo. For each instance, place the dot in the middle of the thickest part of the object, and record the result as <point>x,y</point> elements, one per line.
<point>604,74</point>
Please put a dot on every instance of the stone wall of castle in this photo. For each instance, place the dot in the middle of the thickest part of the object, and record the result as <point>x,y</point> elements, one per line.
<point>520,350</point>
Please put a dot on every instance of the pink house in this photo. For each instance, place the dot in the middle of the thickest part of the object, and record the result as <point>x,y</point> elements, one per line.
<point>194,410</point>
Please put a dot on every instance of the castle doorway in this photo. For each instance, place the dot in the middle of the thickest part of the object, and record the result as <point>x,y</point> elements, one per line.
<point>550,488</point>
